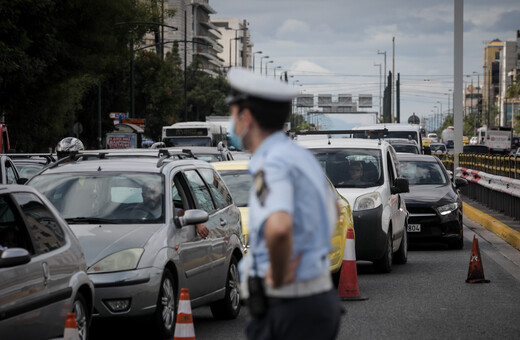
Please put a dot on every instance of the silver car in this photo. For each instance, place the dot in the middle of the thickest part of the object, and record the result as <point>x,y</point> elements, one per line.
<point>42,269</point>
<point>136,218</point>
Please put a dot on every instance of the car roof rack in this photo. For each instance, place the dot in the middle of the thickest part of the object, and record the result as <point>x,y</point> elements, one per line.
<point>47,156</point>
<point>368,132</point>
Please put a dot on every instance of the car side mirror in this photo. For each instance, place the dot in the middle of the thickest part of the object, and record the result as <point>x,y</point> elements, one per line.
<point>22,180</point>
<point>400,186</point>
<point>460,182</point>
<point>427,150</point>
<point>12,257</point>
<point>191,216</point>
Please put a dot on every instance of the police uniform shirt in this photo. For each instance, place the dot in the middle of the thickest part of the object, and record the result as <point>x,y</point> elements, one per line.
<point>288,178</point>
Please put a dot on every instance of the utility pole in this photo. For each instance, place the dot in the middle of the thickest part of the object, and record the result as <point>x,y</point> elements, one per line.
<point>380,100</point>
<point>393,81</point>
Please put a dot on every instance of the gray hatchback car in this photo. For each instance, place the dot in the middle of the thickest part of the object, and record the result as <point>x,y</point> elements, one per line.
<point>42,269</point>
<point>136,219</point>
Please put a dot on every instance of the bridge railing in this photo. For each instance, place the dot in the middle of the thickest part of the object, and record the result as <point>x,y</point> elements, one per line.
<point>500,193</point>
<point>500,165</point>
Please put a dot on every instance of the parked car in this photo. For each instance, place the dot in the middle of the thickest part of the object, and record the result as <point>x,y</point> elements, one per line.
<point>379,212</point>
<point>42,269</point>
<point>239,182</point>
<point>136,218</point>
<point>29,164</point>
<point>434,201</point>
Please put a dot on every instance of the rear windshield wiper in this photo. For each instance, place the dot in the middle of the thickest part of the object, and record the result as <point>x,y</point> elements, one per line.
<point>89,220</point>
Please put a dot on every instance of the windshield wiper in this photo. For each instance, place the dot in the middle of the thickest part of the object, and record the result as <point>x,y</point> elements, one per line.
<point>89,220</point>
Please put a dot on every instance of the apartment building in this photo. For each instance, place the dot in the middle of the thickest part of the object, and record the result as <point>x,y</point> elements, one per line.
<point>194,32</point>
<point>235,40</point>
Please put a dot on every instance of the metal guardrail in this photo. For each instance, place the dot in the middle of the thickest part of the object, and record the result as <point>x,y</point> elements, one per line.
<point>499,193</point>
<point>507,166</point>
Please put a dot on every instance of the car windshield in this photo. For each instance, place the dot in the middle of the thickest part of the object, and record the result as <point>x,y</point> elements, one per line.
<point>440,147</point>
<point>239,183</point>
<point>351,168</point>
<point>422,173</point>
<point>104,198</point>
<point>408,148</point>
<point>27,170</point>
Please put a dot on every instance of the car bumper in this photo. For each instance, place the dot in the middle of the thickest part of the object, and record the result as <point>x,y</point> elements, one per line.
<point>139,287</point>
<point>370,237</point>
<point>434,226</point>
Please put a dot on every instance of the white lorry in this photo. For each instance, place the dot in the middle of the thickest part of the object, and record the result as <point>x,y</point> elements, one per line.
<point>497,139</point>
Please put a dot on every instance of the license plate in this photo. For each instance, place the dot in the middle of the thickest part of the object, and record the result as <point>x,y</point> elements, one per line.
<point>413,228</point>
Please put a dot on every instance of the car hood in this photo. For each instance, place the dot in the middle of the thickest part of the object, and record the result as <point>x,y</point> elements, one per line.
<point>430,195</point>
<point>101,240</point>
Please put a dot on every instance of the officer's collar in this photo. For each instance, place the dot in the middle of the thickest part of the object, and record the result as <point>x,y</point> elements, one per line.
<point>258,157</point>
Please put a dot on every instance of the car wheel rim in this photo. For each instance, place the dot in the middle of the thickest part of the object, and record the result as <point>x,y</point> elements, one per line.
<point>168,304</point>
<point>81,319</point>
<point>234,294</point>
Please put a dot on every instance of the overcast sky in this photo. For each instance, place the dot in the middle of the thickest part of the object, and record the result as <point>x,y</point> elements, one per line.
<point>330,46</point>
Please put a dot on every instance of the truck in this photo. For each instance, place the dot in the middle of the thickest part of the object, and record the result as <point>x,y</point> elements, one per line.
<point>448,134</point>
<point>497,139</point>
<point>194,134</point>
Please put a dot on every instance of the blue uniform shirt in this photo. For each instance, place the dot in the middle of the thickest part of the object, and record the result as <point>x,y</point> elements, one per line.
<point>295,183</point>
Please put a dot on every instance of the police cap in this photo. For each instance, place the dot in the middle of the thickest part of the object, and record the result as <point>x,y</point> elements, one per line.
<point>246,85</point>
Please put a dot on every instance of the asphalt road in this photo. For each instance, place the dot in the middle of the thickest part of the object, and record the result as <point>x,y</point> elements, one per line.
<point>427,298</point>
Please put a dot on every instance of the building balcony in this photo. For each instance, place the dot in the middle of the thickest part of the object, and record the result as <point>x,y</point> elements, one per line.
<point>205,5</point>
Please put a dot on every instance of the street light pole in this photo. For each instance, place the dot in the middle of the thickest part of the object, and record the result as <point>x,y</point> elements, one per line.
<point>264,57</point>
<point>383,52</point>
<point>259,52</point>
<point>440,117</point>
<point>380,102</point>
<point>274,75</point>
<point>268,62</point>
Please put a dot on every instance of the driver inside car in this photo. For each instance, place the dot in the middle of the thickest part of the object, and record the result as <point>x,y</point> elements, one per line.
<point>152,199</point>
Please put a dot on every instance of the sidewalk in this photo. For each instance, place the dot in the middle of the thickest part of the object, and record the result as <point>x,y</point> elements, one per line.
<point>503,226</point>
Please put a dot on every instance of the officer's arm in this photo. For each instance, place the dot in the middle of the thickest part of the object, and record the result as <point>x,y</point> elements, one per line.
<point>279,240</point>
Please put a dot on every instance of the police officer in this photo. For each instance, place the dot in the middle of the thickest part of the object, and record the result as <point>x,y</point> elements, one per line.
<point>292,216</point>
<point>68,146</point>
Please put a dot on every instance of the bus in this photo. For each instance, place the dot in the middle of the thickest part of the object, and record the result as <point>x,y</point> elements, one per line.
<point>395,130</point>
<point>193,134</point>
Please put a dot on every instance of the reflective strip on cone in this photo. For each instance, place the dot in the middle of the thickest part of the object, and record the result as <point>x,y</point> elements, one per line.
<point>184,307</point>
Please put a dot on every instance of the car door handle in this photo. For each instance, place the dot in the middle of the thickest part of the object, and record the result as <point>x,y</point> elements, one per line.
<point>45,268</point>
<point>223,222</point>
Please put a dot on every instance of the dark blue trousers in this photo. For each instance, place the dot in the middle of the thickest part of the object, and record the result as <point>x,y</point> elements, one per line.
<point>313,317</point>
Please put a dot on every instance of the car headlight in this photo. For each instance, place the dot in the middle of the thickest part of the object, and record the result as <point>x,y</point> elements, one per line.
<point>368,201</point>
<point>123,260</point>
<point>447,209</point>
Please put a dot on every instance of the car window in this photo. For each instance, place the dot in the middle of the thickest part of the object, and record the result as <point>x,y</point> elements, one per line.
<point>12,228</point>
<point>423,173</point>
<point>239,183</point>
<point>217,187</point>
<point>118,197</point>
<point>181,197</point>
<point>337,164</point>
<point>407,148</point>
<point>46,232</point>
<point>10,173</point>
<point>200,191</point>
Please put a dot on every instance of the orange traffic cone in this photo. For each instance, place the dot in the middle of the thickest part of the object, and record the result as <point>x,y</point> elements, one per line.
<point>476,271</point>
<point>348,288</point>
<point>71,328</point>
<point>184,328</point>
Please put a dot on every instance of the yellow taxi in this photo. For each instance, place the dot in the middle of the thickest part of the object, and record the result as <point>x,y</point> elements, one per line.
<point>426,141</point>
<point>239,181</point>
<point>465,140</point>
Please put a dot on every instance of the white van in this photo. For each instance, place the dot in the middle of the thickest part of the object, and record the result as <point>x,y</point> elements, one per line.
<point>379,211</point>
<point>406,131</point>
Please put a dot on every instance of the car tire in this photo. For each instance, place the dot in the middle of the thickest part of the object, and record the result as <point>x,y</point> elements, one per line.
<point>229,307</point>
<point>384,264</point>
<point>164,318</point>
<point>83,316</point>
<point>401,256</point>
